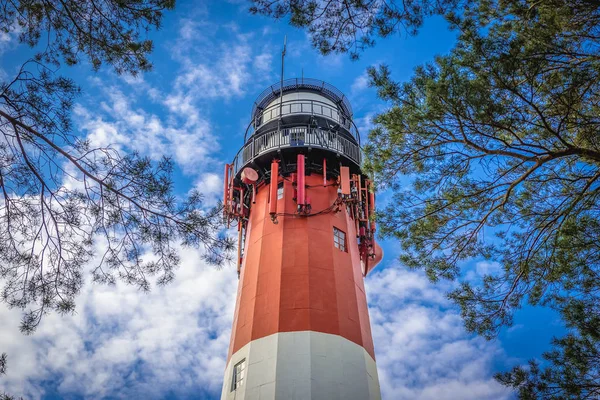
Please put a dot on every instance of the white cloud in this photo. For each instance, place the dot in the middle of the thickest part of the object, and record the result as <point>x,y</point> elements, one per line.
<point>185,136</point>
<point>331,61</point>
<point>189,29</point>
<point>210,68</point>
<point>263,62</point>
<point>126,344</point>
<point>365,123</point>
<point>475,273</point>
<point>9,38</point>
<point>298,49</point>
<point>422,349</point>
<point>219,61</point>
<point>8,41</point>
<point>488,268</point>
<point>267,30</point>
<point>211,186</point>
<point>360,83</point>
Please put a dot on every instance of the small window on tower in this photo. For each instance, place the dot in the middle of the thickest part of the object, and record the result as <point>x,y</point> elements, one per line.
<point>280,191</point>
<point>239,373</point>
<point>339,239</point>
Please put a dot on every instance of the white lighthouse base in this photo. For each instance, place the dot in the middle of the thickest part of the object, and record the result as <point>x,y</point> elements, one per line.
<point>301,366</point>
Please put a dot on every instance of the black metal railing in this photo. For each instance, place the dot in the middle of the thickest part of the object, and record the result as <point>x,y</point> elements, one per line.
<point>302,107</point>
<point>330,91</point>
<point>296,137</point>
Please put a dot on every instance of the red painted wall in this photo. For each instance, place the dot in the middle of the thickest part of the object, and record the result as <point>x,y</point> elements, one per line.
<point>293,278</point>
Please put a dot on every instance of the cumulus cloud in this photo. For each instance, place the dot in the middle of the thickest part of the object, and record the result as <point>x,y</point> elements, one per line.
<point>365,123</point>
<point>222,68</point>
<point>122,343</point>
<point>263,61</point>
<point>360,83</point>
<point>476,271</point>
<point>184,135</point>
<point>9,36</point>
<point>211,186</point>
<point>8,40</point>
<point>213,63</point>
<point>422,349</point>
<point>174,341</point>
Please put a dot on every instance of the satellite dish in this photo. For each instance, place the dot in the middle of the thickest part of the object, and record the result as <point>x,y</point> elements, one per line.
<point>249,176</point>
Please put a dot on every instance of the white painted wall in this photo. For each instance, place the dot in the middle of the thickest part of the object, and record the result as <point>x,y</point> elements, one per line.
<point>301,366</point>
<point>300,95</point>
<point>272,109</point>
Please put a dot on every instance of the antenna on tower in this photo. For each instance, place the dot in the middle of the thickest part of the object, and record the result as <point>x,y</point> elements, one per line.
<point>281,85</point>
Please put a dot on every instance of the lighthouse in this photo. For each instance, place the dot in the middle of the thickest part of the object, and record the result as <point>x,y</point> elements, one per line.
<point>302,208</point>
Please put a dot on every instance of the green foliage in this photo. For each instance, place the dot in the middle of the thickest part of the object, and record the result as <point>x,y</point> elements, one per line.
<point>340,26</point>
<point>575,360</point>
<point>5,396</point>
<point>500,138</point>
<point>101,31</point>
<point>62,199</point>
<point>498,135</point>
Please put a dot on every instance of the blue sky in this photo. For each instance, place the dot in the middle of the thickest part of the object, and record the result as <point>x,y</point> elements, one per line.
<point>211,61</point>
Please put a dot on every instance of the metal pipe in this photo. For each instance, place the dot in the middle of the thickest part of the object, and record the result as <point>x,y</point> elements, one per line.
<point>273,187</point>
<point>324,172</point>
<point>345,180</point>
<point>301,200</point>
<point>281,84</point>
<point>231,190</point>
<point>239,252</point>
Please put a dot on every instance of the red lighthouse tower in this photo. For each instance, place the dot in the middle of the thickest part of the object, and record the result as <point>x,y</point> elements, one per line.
<point>301,205</point>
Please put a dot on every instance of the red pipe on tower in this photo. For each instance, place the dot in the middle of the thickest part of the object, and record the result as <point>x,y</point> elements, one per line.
<point>345,180</point>
<point>230,188</point>
<point>273,187</point>
<point>324,172</point>
<point>301,181</point>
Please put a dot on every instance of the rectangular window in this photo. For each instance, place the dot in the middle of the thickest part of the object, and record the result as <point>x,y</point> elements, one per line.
<point>339,239</point>
<point>280,191</point>
<point>239,373</point>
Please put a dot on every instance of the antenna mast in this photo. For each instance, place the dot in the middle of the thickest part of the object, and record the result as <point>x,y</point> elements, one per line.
<point>281,85</point>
